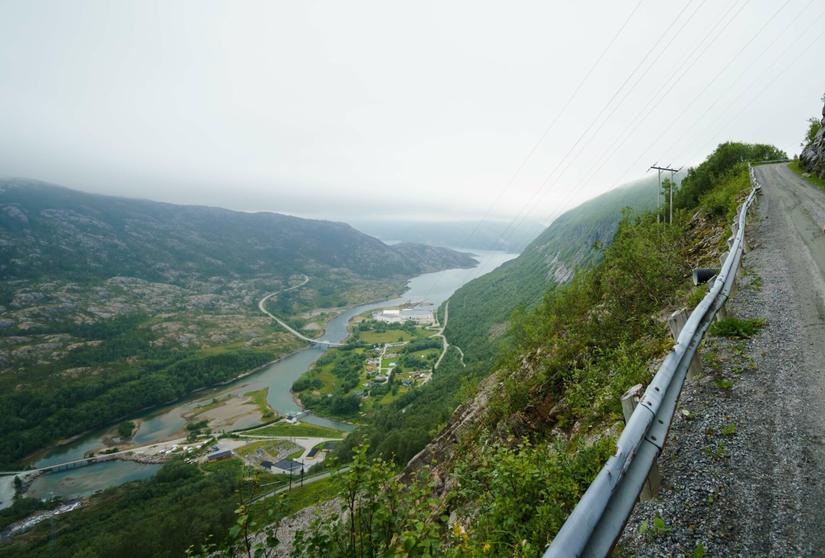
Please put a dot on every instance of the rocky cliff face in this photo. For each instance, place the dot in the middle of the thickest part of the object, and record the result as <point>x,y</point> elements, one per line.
<point>812,158</point>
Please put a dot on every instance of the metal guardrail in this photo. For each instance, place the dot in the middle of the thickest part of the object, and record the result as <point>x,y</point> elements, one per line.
<point>599,518</point>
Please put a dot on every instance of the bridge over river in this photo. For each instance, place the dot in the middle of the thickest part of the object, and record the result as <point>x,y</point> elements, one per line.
<point>69,464</point>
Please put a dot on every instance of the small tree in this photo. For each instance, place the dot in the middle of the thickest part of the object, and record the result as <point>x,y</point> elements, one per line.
<point>126,429</point>
<point>814,125</point>
<point>248,537</point>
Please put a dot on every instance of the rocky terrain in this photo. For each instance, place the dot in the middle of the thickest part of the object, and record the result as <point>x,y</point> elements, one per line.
<point>812,157</point>
<point>51,231</point>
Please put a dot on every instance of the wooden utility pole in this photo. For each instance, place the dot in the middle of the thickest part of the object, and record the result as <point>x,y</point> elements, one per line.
<point>672,174</point>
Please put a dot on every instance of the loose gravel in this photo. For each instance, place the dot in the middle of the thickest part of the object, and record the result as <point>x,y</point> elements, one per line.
<point>743,466</point>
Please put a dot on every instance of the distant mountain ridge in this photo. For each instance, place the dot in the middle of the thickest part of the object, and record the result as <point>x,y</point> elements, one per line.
<point>481,309</point>
<point>473,235</point>
<point>53,231</point>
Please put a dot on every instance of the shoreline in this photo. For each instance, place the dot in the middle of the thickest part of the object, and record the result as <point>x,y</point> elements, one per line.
<point>147,412</point>
<point>152,410</point>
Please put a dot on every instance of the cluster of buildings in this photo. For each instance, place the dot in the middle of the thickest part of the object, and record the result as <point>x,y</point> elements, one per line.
<point>292,467</point>
<point>421,314</point>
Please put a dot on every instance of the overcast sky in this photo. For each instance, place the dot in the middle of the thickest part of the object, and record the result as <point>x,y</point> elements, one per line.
<point>390,109</point>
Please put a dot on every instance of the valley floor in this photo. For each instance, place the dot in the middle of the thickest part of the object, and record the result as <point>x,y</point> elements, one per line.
<point>743,468</point>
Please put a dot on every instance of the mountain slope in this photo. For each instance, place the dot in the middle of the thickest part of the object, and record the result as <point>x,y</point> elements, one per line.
<point>51,231</point>
<point>485,235</point>
<point>480,309</point>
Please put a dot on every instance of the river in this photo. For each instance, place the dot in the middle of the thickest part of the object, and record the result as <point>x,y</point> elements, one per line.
<point>164,424</point>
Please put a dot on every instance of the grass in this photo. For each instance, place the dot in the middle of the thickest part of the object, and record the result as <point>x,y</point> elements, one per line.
<point>388,336</point>
<point>259,398</point>
<point>301,429</point>
<point>266,445</point>
<point>299,498</point>
<point>318,491</point>
<point>736,328</point>
<point>816,181</point>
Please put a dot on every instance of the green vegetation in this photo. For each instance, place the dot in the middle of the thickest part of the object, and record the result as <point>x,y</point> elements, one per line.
<point>382,516</point>
<point>146,377</point>
<point>517,474</point>
<point>736,328</point>
<point>402,428</point>
<point>126,429</point>
<point>259,398</point>
<point>347,381</point>
<point>158,241</point>
<point>814,125</point>
<point>725,161</point>
<point>728,430</point>
<point>300,497</point>
<point>300,429</point>
<point>329,387</point>
<point>22,508</point>
<point>272,447</point>
<point>182,505</point>
<point>810,177</point>
<point>481,309</point>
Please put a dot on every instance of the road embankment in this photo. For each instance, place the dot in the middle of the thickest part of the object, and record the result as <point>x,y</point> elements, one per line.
<point>744,467</point>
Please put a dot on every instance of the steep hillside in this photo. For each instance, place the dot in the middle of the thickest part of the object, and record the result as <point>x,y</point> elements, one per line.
<point>50,231</point>
<point>480,309</point>
<point>503,473</point>
<point>812,157</point>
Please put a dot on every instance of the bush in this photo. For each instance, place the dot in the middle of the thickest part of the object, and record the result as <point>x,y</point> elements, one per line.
<point>736,328</point>
<point>717,168</point>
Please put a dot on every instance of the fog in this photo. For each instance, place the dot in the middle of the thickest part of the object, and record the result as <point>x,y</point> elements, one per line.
<point>424,110</point>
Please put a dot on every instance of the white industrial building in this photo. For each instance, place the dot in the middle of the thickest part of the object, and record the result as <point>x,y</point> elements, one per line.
<point>422,314</point>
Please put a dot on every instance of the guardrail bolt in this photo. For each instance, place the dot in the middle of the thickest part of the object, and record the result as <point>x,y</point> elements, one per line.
<point>650,489</point>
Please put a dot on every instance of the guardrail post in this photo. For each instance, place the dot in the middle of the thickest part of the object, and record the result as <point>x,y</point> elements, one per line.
<point>675,323</point>
<point>723,313</point>
<point>630,399</point>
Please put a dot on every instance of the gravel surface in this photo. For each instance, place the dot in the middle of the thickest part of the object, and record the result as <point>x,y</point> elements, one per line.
<point>743,467</point>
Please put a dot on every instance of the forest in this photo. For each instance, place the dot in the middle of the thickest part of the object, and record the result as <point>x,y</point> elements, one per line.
<point>145,376</point>
<point>181,506</point>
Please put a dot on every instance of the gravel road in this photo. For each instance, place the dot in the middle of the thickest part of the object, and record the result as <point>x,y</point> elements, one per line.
<point>743,468</point>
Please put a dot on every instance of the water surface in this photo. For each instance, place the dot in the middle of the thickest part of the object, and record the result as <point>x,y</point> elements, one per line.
<point>167,423</point>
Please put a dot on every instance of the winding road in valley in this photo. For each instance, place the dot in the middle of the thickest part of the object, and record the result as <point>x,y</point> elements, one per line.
<point>446,344</point>
<point>298,334</point>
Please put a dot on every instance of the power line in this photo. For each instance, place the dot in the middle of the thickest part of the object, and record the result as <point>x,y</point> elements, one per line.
<point>772,81</point>
<point>555,120</point>
<point>648,108</point>
<point>814,21</point>
<point>713,80</point>
<point>684,111</point>
<point>533,199</point>
<point>552,124</point>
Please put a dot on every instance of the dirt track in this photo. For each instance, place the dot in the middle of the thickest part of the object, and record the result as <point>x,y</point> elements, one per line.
<point>744,471</point>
